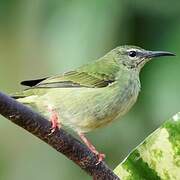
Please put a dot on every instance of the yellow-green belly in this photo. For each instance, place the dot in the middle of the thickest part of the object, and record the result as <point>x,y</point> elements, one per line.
<point>85,109</point>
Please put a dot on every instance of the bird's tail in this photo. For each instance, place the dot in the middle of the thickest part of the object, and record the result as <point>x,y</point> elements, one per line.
<point>16,96</point>
<point>19,95</point>
<point>25,97</point>
<point>30,98</point>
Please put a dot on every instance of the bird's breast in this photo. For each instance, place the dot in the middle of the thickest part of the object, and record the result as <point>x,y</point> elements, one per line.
<point>85,109</point>
<point>125,95</point>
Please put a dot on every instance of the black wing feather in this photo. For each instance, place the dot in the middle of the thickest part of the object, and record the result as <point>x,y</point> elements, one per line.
<point>32,83</point>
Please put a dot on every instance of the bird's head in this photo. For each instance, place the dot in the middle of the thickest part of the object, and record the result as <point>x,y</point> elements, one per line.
<point>134,58</point>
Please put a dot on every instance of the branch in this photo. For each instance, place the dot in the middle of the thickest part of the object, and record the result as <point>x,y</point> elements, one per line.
<point>60,140</point>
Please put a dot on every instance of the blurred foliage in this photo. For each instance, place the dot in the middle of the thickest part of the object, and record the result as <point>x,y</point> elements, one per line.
<point>158,157</point>
<point>42,37</point>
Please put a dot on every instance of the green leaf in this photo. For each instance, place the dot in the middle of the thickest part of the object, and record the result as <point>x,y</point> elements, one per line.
<point>158,157</point>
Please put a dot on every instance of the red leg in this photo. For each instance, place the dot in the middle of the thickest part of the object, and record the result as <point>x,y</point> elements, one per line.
<point>92,148</point>
<point>54,120</point>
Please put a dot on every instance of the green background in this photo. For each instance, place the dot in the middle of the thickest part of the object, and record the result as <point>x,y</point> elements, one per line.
<point>41,38</point>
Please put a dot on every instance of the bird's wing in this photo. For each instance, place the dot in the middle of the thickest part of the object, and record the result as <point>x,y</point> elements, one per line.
<point>95,75</point>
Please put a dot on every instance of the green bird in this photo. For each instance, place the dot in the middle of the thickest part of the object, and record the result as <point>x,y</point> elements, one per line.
<point>93,95</point>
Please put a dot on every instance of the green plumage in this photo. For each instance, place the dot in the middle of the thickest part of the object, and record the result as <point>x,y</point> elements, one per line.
<point>93,95</point>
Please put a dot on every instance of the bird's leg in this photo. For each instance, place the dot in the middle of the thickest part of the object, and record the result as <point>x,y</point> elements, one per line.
<point>54,119</point>
<point>91,147</point>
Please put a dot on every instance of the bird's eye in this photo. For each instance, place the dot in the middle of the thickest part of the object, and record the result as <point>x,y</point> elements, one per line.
<point>132,53</point>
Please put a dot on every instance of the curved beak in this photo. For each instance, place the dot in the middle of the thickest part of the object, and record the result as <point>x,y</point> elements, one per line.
<point>151,54</point>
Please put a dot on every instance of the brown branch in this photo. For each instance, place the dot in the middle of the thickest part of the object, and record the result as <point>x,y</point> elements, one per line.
<point>59,140</point>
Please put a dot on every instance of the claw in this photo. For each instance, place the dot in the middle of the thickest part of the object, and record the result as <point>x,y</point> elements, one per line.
<point>54,120</point>
<point>101,157</point>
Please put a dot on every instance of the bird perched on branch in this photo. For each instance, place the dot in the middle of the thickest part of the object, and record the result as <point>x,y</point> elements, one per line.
<point>92,95</point>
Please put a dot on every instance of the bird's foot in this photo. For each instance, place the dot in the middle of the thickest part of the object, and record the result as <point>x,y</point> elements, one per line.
<point>55,124</point>
<point>100,156</point>
<point>54,120</point>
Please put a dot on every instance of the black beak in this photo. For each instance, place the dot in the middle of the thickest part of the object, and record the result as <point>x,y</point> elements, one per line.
<point>152,54</point>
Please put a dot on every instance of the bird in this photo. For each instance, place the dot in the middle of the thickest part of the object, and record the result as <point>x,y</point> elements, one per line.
<point>93,95</point>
